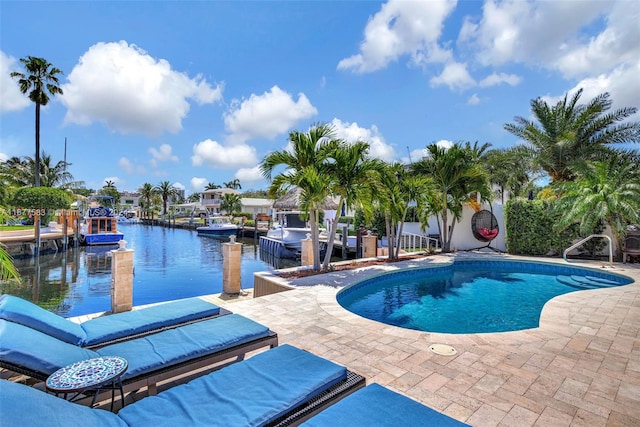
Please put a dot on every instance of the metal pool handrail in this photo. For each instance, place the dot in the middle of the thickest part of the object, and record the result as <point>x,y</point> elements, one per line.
<point>575,245</point>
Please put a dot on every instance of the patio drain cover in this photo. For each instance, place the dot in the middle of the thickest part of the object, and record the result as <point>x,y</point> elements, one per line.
<point>442,349</point>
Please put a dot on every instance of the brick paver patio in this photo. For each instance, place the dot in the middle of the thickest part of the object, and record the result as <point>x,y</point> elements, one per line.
<point>580,367</point>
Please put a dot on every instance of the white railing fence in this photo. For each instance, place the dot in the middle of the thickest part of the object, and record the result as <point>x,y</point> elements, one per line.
<point>417,242</point>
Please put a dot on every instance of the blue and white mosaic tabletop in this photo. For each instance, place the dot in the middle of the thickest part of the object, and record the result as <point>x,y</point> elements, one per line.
<point>87,373</point>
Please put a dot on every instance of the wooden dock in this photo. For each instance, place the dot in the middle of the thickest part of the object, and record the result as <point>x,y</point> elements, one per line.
<point>23,242</point>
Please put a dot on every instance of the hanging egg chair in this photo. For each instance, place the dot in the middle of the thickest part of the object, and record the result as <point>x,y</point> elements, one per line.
<point>484,226</point>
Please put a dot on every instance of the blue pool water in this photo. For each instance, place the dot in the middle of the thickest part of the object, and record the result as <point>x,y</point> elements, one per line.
<point>469,296</point>
<point>169,263</point>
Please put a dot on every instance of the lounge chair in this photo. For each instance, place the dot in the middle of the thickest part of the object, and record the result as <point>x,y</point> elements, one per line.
<point>378,406</point>
<point>630,248</point>
<point>276,387</point>
<point>107,329</point>
<point>152,359</point>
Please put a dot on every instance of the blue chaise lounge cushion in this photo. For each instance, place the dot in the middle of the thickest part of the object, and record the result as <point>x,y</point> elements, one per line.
<point>105,328</point>
<point>375,405</point>
<point>251,393</point>
<point>26,406</point>
<point>29,314</point>
<point>187,342</point>
<point>114,326</point>
<point>33,350</point>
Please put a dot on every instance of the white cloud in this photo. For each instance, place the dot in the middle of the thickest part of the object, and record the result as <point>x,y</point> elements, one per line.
<point>527,31</point>
<point>129,91</point>
<point>473,99</point>
<point>616,45</point>
<point>11,99</point>
<point>249,175</point>
<point>126,165</point>
<point>198,184</point>
<point>163,154</point>
<point>499,78</point>
<point>455,76</point>
<point>179,186</point>
<point>577,38</point>
<point>402,28</point>
<point>213,154</point>
<point>3,157</point>
<point>444,143</point>
<point>129,167</point>
<point>623,84</point>
<point>266,116</point>
<point>351,133</point>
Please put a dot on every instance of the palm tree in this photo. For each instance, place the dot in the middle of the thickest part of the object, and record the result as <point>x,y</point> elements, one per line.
<point>510,170</point>
<point>211,186</point>
<point>568,133</point>
<point>235,184</point>
<point>111,191</point>
<point>305,168</point>
<point>7,268</point>
<point>165,190</point>
<point>231,203</point>
<point>109,184</point>
<point>40,79</point>
<point>146,193</point>
<point>353,176</point>
<point>21,172</point>
<point>457,178</point>
<point>607,191</point>
<point>194,197</point>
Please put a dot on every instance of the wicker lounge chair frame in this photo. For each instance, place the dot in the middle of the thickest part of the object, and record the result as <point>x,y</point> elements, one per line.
<point>630,248</point>
<point>185,370</point>
<point>327,398</point>
<point>313,406</point>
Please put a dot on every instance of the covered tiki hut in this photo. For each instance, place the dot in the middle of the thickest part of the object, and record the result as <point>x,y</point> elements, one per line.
<point>291,201</point>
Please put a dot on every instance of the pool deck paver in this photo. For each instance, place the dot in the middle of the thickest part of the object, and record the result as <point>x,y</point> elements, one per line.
<point>580,367</point>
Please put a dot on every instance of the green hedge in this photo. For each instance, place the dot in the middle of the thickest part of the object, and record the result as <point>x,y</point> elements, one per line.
<point>41,198</point>
<point>530,229</point>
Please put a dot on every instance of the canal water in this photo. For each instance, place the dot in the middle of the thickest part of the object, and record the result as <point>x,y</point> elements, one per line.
<point>169,263</point>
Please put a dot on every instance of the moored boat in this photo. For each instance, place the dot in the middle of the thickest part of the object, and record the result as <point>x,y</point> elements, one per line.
<point>99,225</point>
<point>219,227</point>
<point>128,217</point>
<point>290,230</point>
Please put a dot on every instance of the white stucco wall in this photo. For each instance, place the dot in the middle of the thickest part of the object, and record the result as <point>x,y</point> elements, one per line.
<point>462,235</point>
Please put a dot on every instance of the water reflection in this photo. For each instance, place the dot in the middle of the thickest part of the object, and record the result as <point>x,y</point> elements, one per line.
<point>168,264</point>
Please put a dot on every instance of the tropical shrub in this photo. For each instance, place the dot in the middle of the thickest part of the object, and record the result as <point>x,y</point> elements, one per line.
<point>247,215</point>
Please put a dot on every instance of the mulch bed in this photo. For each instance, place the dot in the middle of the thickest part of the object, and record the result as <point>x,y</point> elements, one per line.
<point>345,266</point>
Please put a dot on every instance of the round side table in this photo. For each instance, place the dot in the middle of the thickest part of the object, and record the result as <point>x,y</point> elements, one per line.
<point>99,373</point>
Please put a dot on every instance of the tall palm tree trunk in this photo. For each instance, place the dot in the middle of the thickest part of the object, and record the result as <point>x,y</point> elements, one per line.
<point>314,239</point>
<point>445,232</point>
<point>37,157</point>
<point>331,236</point>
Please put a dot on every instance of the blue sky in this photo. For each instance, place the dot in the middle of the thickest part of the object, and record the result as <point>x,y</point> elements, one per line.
<point>198,92</point>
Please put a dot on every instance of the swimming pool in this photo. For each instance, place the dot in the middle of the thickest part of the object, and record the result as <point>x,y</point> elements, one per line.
<point>470,296</point>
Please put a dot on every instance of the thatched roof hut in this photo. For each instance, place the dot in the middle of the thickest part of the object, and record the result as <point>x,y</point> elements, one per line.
<point>291,201</point>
